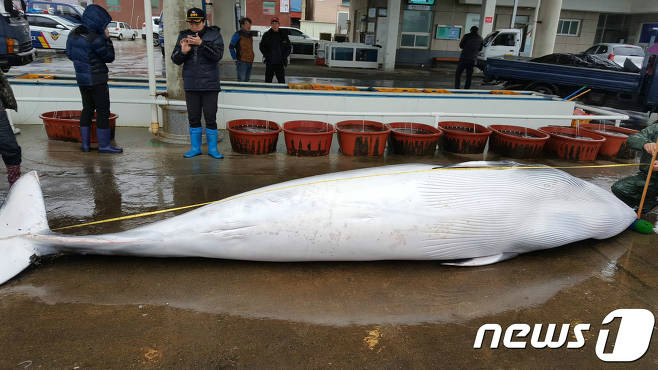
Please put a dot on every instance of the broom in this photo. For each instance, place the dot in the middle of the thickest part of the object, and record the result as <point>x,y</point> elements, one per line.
<point>639,225</point>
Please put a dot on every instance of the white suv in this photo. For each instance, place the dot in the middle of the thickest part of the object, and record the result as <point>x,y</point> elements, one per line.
<point>156,27</point>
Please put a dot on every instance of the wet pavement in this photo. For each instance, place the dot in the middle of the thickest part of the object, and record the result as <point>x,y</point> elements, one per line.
<point>131,62</point>
<point>118,312</point>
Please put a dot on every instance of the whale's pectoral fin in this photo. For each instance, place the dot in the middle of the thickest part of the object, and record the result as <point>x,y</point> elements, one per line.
<point>481,261</point>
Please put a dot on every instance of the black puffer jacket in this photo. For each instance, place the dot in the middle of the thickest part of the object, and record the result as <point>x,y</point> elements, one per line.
<point>201,64</point>
<point>89,48</point>
<point>275,47</point>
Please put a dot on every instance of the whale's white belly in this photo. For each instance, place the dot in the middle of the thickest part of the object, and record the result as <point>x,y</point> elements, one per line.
<point>399,212</point>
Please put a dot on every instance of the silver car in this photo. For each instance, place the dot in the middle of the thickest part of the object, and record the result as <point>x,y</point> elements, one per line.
<point>618,53</point>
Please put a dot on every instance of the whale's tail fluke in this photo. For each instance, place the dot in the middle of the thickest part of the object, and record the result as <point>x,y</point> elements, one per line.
<point>23,212</point>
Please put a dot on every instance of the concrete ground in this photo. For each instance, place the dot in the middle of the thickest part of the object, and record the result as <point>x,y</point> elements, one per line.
<point>131,61</point>
<point>121,312</point>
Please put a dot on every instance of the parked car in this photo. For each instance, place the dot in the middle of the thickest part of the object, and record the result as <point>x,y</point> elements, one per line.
<point>121,30</point>
<point>156,27</point>
<point>618,53</point>
<point>294,34</point>
<point>15,43</point>
<point>69,11</point>
<point>49,31</point>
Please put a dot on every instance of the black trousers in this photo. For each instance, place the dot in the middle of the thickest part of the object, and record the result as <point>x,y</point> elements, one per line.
<point>11,152</point>
<point>272,69</point>
<point>95,98</point>
<point>468,66</point>
<point>202,101</point>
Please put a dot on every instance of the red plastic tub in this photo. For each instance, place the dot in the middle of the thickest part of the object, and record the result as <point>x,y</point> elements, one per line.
<point>615,137</point>
<point>564,145</point>
<point>359,137</point>
<point>253,136</point>
<point>65,125</point>
<point>308,138</point>
<point>413,138</point>
<point>464,137</point>
<point>517,141</point>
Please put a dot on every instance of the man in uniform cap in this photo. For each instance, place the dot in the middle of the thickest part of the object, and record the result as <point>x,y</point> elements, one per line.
<point>199,49</point>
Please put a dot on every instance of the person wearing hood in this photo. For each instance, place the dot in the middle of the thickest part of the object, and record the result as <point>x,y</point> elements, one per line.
<point>199,49</point>
<point>90,48</point>
<point>242,49</point>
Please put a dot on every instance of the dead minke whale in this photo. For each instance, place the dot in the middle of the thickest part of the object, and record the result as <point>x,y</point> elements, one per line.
<point>469,214</point>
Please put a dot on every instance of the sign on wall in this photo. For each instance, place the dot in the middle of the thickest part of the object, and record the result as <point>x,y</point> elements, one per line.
<point>444,32</point>
<point>284,6</point>
<point>296,6</point>
<point>268,7</point>
<point>113,6</point>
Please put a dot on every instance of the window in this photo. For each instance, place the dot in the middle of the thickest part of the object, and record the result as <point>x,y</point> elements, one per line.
<point>294,32</point>
<point>504,39</point>
<point>342,54</point>
<point>345,3</point>
<point>366,55</point>
<point>592,50</point>
<point>631,51</point>
<point>68,11</point>
<point>416,29</point>
<point>490,37</point>
<point>568,27</point>
<point>42,22</point>
<point>112,25</point>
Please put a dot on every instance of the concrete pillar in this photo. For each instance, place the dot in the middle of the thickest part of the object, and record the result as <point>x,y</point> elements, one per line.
<point>391,46</point>
<point>487,15</point>
<point>548,18</point>
<point>175,125</point>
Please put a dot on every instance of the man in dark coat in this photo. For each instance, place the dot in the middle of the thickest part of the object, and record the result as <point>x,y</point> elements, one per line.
<point>199,49</point>
<point>276,47</point>
<point>89,47</point>
<point>471,44</point>
<point>11,152</point>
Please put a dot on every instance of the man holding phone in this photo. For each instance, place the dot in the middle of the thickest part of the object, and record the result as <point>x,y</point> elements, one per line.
<point>199,49</point>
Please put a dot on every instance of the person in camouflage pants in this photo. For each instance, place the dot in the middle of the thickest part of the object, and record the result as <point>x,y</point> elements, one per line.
<point>9,149</point>
<point>629,189</point>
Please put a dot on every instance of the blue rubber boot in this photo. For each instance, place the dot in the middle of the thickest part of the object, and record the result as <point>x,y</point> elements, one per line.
<point>195,139</point>
<point>104,138</point>
<point>85,137</point>
<point>211,136</point>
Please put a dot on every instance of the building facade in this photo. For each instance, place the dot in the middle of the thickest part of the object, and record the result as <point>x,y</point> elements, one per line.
<point>261,12</point>
<point>432,28</point>
<point>129,11</point>
<point>326,18</point>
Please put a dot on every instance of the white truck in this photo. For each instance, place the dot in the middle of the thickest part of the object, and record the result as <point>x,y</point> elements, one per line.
<point>502,42</point>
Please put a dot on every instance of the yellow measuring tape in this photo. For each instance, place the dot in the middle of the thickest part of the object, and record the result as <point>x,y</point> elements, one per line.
<point>145,214</point>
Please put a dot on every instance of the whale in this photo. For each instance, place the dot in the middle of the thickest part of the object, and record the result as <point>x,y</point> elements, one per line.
<point>469,214</point>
